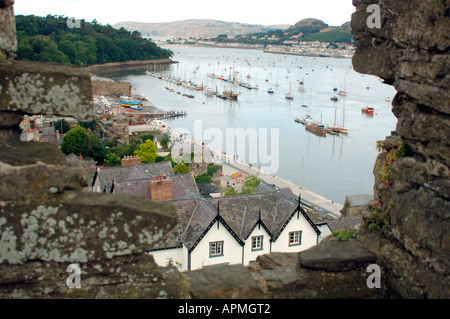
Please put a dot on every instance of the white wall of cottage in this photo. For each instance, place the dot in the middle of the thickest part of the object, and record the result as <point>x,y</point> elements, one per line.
<point>308,238</point>
<point>249,254</point>
<point>232,250</point>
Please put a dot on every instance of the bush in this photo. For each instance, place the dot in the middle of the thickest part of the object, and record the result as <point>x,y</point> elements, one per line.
<point>203,178</point>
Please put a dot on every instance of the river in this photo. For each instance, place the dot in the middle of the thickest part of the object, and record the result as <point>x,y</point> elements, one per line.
<point>332,166</point>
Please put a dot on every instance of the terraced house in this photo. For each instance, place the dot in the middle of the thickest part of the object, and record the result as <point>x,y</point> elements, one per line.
<point>235,230</point>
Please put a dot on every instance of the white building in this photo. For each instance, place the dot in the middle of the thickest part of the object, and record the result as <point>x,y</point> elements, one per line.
<point>235,230</point>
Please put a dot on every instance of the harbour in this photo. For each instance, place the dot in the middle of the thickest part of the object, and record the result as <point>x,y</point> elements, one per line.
<point>332,166</point>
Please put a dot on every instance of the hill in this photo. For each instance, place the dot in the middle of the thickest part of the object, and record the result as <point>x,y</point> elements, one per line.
<point>304,30</point>
<point>50,39</point>
<point>196,28</point>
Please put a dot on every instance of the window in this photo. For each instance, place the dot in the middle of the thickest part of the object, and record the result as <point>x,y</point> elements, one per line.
<point>216,249</point>
<point>295,238</point>
<point>257,243</point>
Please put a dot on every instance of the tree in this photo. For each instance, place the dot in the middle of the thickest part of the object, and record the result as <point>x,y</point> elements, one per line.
<point>203,178</point>
<point>250,185</point>
<point>75,141</point>
<point>62,126</point>
<point>147,152</point>
<point>95,148</point>
<point>112,159</point>
<point>181,168</point>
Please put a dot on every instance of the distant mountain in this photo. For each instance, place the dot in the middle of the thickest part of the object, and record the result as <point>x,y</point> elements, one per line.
<point>304,30</point>
<point>196,28</point>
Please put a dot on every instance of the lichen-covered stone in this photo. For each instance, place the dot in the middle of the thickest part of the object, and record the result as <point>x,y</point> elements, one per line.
<point>82,227</point>
<point>44,88</point>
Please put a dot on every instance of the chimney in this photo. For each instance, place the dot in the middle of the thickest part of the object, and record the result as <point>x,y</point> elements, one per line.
<point>130,160</point>
<point>161,189</point>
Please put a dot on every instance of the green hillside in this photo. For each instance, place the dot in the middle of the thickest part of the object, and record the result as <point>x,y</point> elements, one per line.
<point>50,39</point>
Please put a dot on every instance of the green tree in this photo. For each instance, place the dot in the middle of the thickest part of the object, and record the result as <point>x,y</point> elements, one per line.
<point>250,185</point>
<point>62,126</point>
<point>75,141</point>
<point>181,168</point>
<point>95,148</point>
<point>112,159</point>
<point>203,178</point>
<point>147,152</point>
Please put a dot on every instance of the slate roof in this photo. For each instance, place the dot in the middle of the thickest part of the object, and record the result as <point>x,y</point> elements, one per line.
<point>106,175</point>
<point>181,183</point>
<point>208,188</point>
<point>240,214</point>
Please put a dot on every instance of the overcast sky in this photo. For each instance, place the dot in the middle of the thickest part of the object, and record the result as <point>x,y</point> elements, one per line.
<point>332,12</point>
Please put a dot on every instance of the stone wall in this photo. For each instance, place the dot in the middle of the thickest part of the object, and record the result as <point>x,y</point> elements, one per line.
<point>408,227</point>
<point>48,220</point>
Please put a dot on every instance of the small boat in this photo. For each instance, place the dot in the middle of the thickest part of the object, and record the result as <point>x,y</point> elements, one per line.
<point>335,89</point>
<point>305,105</point>
<point>388,99</point>
<point>289,96</point>
<point>306,120</point>
<point>334,98</point>
<point>129,104</point>
<point>368,110</point>
<point>316,128</point>
<point>302,89</point>
<point>270,91</point>
<point>332,131</point>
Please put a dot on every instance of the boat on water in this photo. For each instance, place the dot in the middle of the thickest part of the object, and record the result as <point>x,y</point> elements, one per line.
<point>270,90</point>
<point>306,120</point>
<point>388,99</point>
<point>289,96</point>
<point>334,98</point>
<point>317,128</point>
<point>368,110</point>
<point>302,89</point>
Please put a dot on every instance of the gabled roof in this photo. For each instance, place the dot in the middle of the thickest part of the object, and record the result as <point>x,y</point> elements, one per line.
<point>240,214</point>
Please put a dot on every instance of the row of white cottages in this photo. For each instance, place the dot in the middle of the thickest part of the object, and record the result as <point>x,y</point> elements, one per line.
<point>236,230</point>
<point>222,230</point>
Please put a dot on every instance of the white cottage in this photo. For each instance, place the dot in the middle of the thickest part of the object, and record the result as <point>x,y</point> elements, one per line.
<point>235,230</point>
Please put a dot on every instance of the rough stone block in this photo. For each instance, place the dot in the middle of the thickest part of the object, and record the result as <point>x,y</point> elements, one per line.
<point>80,227</point>
<point>335,256</point>
<point>44,88</point>
<point>8,42</point>
<point>224,282</point>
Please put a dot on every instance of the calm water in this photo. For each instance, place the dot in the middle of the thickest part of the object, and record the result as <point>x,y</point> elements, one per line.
<point>332,166</point>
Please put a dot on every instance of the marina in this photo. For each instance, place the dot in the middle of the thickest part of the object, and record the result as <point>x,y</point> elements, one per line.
<point>331,166</point>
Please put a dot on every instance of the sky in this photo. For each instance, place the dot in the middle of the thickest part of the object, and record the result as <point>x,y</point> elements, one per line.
<point>332,12</point>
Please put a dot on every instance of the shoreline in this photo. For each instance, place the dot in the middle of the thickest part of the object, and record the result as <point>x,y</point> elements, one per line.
<point>255,48</point>
<point>113,66</point>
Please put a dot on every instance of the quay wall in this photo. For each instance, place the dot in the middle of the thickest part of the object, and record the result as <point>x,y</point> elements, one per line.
<point>99,68</point>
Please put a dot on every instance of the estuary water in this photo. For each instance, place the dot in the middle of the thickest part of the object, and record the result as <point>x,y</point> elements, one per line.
<point>332,166</point>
